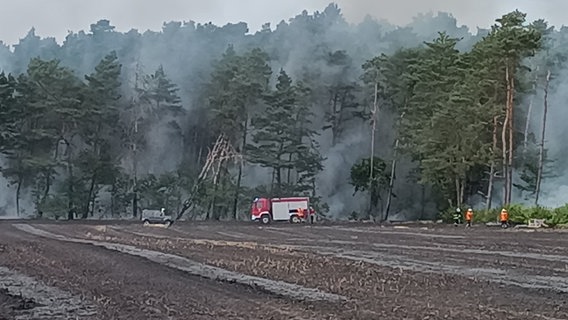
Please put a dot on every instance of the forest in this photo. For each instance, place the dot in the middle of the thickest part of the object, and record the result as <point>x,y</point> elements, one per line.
<point>368,120</point>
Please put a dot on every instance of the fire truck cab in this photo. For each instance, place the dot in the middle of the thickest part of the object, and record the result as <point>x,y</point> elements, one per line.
<point>294,210</point>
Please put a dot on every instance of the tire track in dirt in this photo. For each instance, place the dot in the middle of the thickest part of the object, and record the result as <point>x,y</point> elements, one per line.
<point>120,284</point>
<point>528,255</point>
<point>196,268</point>
<point>505,239</point>
<point>557,262</point>
<point>486,296</point>
<point>519,273</point>
<point>520,279</point>
<point>49,303</point>
<point>466,257</point>
<point>392,231</point>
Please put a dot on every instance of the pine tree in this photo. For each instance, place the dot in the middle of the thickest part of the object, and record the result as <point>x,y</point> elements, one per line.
<point>284,140</point>
<point>99,129</point>
<point>237,84</point>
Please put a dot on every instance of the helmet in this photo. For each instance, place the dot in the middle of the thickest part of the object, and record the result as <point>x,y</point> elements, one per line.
<point>470,210</point>
<point>504,210</point>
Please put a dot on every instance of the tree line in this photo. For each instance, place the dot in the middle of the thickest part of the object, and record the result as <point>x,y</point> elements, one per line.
<point>462,116</point>
<point>448,115</point>
<point>66,139</point>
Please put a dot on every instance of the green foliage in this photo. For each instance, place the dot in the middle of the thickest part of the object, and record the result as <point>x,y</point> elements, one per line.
<point>54,207</point>
<point>373,182</point>
<point>68,137</point>
<point>517,214</point>
<point>448,101</point>
<point>237,83</point>
<point>161,94</point>
<point>163,191</point>
<point>283,140</point>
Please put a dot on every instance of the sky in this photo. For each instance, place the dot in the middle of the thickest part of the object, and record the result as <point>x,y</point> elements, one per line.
<point>55,18</point>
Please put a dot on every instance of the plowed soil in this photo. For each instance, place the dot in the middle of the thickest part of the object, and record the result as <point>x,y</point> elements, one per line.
<point>429,272</point>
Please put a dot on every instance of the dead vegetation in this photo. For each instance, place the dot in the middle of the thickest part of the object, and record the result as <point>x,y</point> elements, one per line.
<point>376,288</point>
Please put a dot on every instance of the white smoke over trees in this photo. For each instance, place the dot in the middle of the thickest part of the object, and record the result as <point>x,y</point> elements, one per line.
<point>321,49</point>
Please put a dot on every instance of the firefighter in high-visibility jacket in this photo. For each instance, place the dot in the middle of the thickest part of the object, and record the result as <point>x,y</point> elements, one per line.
<point>301,213</point>
<point>457,217</point>
<point>312,214</point>
<point>468,217</point>
<point>504,218</point>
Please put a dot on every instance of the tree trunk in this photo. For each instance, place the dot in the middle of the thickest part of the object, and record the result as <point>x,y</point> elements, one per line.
<point>393,171</point>
<point>47,187</point>
<point>458,189</point>
<point>542,140</point>
<point>278,171</point>
<point>112,198</point>
<point>391,181</point>
<point>492,169</point>
<point>135,203</point>
<point>422,200</point>
<point>240,174</point>
<point>199,156</point>
<point>279,182</point>
<point>90,195</point>
<point>511,80</point>
<point>135,169</point>
<point>237,192</point>
<point>373,129</point>
<point>18,191</point>
<point>529,113</point>
<point>272,182</point>
<point>527,122</point>
<point>289,169</point>
<point>215,213</point>
<point>504,145</point>
<point>462,190</point>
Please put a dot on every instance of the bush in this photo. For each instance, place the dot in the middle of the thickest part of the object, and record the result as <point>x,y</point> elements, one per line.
<point>54,207</point>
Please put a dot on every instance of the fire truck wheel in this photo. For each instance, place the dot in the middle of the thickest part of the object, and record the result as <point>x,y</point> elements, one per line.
<point>265,219</point>
<point>295,219</point>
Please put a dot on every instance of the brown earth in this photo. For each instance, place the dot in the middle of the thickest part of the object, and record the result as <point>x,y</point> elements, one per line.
<point>385,272</point>
<point>10,304</point>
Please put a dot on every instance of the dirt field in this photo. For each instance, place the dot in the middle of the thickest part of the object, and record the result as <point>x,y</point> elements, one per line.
<point>88,270</point>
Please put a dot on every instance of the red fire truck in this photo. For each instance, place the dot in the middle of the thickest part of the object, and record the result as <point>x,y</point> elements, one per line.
<point>294,210</point>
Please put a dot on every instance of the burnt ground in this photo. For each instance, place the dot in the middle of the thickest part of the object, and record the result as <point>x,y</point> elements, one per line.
<point>11,305</point>
<point>433,272</point>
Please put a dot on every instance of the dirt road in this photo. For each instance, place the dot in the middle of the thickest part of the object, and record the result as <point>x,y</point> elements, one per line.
<point>383,272</point>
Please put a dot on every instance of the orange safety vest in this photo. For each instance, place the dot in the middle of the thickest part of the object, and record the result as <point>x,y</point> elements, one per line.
<point>469,215</point>
<point>301,212</point>
<point>504,216</point>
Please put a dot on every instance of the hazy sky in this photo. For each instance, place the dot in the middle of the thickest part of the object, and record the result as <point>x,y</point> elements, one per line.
<point>56,17</point>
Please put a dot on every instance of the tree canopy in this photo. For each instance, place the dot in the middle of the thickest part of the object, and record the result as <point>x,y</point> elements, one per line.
<point>110,123</point>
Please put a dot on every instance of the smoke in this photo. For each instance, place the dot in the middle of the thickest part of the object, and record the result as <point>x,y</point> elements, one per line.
<point>164,151</point>
<point>473,14</point>
<point>333,182</point>
<point>555,186</point>
<point>7,203</point>
<point>8,198</point>
<point>187,52</point>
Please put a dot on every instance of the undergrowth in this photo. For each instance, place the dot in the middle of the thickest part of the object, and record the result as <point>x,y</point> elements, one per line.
<point>518,214</point>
